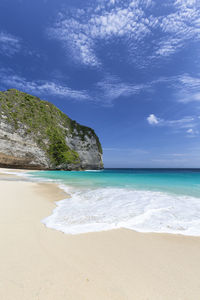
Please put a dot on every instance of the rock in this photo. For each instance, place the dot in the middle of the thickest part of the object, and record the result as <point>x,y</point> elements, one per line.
<point>35,134</point>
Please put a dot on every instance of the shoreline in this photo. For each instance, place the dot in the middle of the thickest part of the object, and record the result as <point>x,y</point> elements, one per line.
<point>38,263</point>
<point>62,194</point>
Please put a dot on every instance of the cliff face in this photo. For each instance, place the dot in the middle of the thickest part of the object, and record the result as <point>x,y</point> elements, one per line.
<point>34,134</point>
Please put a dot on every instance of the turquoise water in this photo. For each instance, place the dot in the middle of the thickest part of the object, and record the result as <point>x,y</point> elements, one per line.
<point>178,181</point>
<point>147,200</point>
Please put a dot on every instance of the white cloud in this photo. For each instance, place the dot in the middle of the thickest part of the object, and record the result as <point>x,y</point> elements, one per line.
<point>9,80</point>
<point>187,3</point>
<point>153,120</point>
<point>81,34</point>
<point>82,31</point>
<point>179,27</point>
<point>189,123</point>
<point>182,21</point>
<point>185,122</point>
<point>189,81</point>
<point>74,37</point>
<point>180,123</point>
<point>188,88</point>
<point>187,97</point>
<point>111,88</point>
<point>104,92</point>
<point>9,44</point>
<point>167,47</point>
<point>190,130</point>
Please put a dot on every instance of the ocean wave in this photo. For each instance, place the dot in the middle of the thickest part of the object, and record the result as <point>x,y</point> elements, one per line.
<point>29,176</point>
<point>110,208</point>
<point>96,171</point>
<point>21,174</point>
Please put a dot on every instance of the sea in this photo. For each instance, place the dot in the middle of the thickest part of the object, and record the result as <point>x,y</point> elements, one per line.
<point>144,200</point>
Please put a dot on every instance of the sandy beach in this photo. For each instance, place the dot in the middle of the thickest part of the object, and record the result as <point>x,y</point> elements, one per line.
<point>38,263</point>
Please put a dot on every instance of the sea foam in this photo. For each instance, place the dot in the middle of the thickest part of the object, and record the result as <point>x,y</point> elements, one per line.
<point>90,210</point>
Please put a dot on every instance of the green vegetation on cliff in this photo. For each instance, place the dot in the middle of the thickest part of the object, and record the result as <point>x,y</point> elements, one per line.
<point>45,123</point>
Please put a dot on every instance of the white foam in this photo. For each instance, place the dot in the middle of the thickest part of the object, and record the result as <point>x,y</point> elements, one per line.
<point>109,208</point>
<point>93,171</point>
<point>29,176</point>
<point>21,174</point>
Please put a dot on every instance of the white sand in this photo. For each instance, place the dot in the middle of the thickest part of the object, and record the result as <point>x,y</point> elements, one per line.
<point>37,263</point>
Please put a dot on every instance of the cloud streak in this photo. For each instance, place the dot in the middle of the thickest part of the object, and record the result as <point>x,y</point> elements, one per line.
<point>111,88</point>
<point>9,44</point>
<point>10,80</point>
<point>107,90</point>
<point>187,124</point>
<point>104,92</point>
<point>188,88</point>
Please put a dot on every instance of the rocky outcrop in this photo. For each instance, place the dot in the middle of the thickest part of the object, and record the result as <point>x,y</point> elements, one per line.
<point>19,150</point>
<point>34,134</point>
<point>87,149</point>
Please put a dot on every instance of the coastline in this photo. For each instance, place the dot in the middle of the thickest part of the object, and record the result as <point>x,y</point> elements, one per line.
<point>44,264</point>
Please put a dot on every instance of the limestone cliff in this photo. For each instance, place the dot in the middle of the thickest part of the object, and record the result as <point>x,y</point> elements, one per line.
<point>35,134</point>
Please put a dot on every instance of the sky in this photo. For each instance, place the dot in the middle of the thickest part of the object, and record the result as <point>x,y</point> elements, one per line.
<point>130,69</point>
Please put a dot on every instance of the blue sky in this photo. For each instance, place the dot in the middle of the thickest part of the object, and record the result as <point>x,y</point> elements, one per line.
<point>129,69</point>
